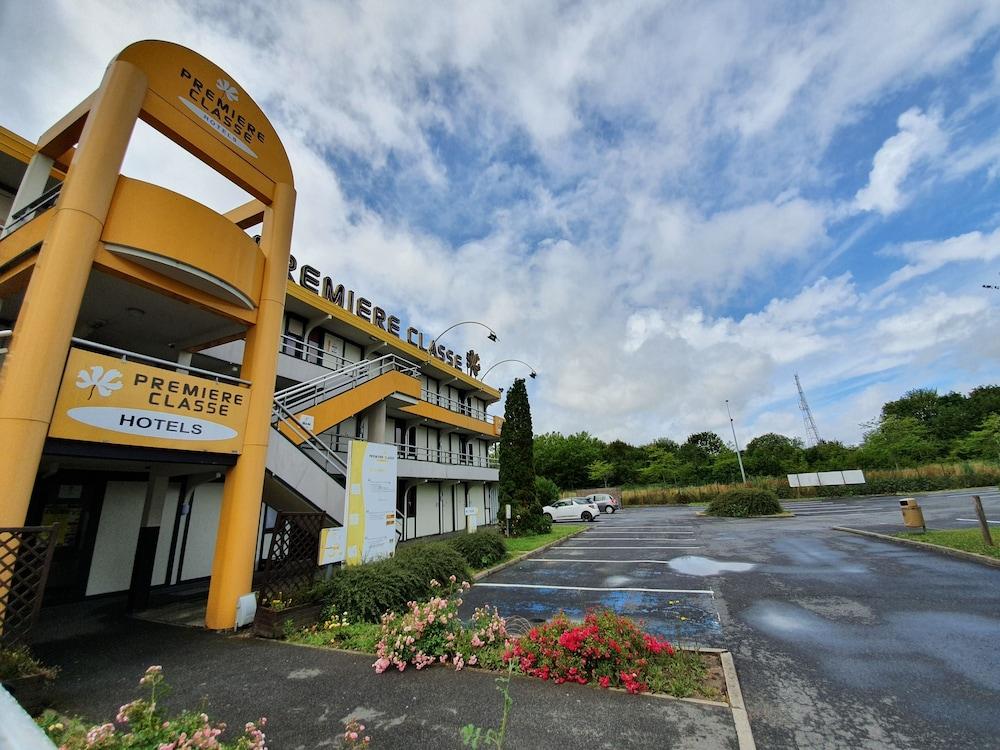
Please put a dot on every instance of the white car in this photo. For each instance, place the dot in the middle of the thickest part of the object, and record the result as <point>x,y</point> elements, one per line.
<point>571,509</point>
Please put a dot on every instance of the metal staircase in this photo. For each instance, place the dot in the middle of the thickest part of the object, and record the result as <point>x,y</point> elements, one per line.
<point>303,466</point>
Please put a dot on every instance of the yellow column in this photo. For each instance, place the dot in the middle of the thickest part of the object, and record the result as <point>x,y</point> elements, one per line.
<point>32,371</point>
<point>235,543</point>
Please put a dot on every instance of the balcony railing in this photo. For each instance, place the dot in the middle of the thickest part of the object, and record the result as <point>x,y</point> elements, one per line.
<point>459,407</point>
<point>125,355</point>
<point>439,456</point>
<point>42,203</point>
<point>295,347</point>
<point>338,444</point>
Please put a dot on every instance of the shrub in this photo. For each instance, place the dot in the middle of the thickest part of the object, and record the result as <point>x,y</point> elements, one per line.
<point>363,593</point>
<point>480,550</point>
<point>431,561</point>
<point>745,502</point>
<point>430,632</point>
<point>607,649</point>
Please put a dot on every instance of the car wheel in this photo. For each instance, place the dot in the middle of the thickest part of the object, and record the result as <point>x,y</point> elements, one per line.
<point>587,516</point>
<point>547,516</point>
<point>608,509</point>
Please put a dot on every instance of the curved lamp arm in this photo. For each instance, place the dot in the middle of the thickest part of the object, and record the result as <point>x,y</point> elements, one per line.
<point>533,374</point>
<point>492,335</point>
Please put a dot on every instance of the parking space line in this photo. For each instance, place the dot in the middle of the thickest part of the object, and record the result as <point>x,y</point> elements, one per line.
<point>975,520</point>
<point>595,588</point>
<point>582,560</point>
<point>697,546</point>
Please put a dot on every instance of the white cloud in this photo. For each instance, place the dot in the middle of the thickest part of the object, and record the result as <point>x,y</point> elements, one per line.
<point>928,256</point>
<point>920,137</point>
<point>640,259</point>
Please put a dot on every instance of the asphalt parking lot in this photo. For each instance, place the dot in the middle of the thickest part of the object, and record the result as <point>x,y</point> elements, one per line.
<point>840,641</point>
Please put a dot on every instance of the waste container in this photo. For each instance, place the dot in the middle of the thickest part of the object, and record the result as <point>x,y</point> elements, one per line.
<point>913,516</point>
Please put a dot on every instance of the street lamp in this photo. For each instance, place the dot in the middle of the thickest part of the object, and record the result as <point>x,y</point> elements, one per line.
<point>492,334</point>
<point>736,442</point>
<point>531,375</point>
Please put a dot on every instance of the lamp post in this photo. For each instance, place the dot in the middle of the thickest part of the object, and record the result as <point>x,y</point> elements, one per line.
<point>736,442</point>
<point>492,336</point>
<point>531,375</point>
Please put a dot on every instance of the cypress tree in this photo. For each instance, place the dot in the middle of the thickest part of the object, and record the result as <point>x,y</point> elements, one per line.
<point>517,464</point>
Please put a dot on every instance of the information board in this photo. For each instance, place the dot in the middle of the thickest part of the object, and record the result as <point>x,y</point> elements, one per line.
<point>370,502</point>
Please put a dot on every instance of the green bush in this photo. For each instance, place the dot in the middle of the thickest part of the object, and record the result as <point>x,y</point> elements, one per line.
<point>431,561</point>
<point>365,592</point>
<point>480,550</point>
<point>743,503</point>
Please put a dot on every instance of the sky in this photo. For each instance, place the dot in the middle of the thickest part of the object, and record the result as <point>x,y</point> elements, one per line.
<point>658,205</point>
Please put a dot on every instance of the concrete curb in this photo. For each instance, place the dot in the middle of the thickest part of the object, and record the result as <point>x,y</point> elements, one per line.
<point>959,553</point>
<point>743,733</point>
<point>514,560</point>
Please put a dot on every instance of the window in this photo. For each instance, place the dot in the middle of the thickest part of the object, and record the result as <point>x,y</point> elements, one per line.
<point>293,343</point>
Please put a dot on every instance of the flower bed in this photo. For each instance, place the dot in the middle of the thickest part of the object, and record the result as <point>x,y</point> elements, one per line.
<point>269,622</point>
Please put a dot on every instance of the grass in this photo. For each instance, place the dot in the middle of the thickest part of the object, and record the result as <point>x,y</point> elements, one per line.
<point>19,662</point>
<point>517,545</point>
<point>967,540</point>
<point>358,636</point>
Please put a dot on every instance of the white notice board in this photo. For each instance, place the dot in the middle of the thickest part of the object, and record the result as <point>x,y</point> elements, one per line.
<point>370,502</point>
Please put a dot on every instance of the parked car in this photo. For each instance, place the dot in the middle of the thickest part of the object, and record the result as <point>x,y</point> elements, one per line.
<point>571,509</point>
<point>606,503</point>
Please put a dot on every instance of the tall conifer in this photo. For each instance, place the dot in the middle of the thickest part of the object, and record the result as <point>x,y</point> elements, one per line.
<point>517,464</point>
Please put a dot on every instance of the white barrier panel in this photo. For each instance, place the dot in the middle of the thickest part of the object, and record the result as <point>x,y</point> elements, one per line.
<point>826,478</point>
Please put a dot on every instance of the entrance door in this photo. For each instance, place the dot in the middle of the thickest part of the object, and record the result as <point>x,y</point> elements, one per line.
<point>74,502</point>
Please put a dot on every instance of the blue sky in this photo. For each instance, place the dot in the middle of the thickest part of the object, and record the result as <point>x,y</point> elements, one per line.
<point>659,205</point>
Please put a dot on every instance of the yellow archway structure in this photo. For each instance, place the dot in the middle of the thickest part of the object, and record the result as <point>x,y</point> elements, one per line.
<point>202,109</point>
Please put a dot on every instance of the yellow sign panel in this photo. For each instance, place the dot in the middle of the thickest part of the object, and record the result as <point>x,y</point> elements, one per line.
<point>205,93</point>
<point>107,400</point>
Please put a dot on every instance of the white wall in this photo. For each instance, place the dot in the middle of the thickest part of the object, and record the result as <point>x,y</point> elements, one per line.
<point>477,500</point>
<point>117,535</point>
<point>166,533</point>
<point>427,509</point>
<point>201,531</point>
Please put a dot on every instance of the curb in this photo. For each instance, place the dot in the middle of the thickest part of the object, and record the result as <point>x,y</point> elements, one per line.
<point>744,736</point>
<point>514,560</point>
<point>959,553</point>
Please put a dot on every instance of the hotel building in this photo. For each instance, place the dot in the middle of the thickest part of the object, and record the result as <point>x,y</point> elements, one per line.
<point>172,377</point>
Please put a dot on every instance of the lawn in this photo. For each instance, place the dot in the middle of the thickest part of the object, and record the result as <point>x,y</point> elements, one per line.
<point>968,540</point>
<point>520,544</point>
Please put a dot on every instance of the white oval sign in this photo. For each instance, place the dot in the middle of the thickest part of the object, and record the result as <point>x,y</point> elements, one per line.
<point>149,423</point>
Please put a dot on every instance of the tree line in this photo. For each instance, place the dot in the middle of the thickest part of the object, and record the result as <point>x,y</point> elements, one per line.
<point>921,427</point>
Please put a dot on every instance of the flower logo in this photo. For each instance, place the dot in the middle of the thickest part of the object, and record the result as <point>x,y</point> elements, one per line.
<point>228,89</point>
<point>104,382</point>
<point>472,360</point>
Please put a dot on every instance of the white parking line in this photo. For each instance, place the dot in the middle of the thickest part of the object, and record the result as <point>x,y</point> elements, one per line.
<point>975,520</point>
<point>837,512</point>
<point>594,588</point>
<point>589,547</point>
<point>581,560</point>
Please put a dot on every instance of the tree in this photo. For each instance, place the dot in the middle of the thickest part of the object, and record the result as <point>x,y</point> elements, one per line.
<point>662,466</point>
<point>981,443</point>
<point>517,464</point>
<point>773,455</point>
<point>545,490</point>
<point>899,441</point>
<point>564,458</point>
<point>601,471</point>
<point>697,453</point>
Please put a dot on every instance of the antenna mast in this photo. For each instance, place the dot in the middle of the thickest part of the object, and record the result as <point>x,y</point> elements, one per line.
<point>812,434</point>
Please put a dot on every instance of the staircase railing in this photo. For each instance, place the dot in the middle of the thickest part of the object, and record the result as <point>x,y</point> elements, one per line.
<point>311,392</point>
<point>320,453</point>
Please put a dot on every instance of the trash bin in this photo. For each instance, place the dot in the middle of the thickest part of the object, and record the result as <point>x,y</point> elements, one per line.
<point>913,516</point>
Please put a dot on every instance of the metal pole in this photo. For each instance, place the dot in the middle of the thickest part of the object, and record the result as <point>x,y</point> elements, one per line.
<point>736,442</point>
<point>983,524</point>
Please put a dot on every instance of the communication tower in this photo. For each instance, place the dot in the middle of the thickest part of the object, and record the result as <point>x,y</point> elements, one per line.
<point>812,434</point>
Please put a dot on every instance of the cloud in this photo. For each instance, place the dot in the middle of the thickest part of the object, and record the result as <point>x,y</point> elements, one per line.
<point>631,195</point>
<point>920,137</point>
<point>927,256</point>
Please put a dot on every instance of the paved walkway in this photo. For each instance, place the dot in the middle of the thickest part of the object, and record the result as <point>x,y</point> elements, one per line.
<point>308,693</point>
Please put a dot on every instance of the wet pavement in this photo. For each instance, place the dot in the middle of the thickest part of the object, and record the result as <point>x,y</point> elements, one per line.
<point>840,641</point>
